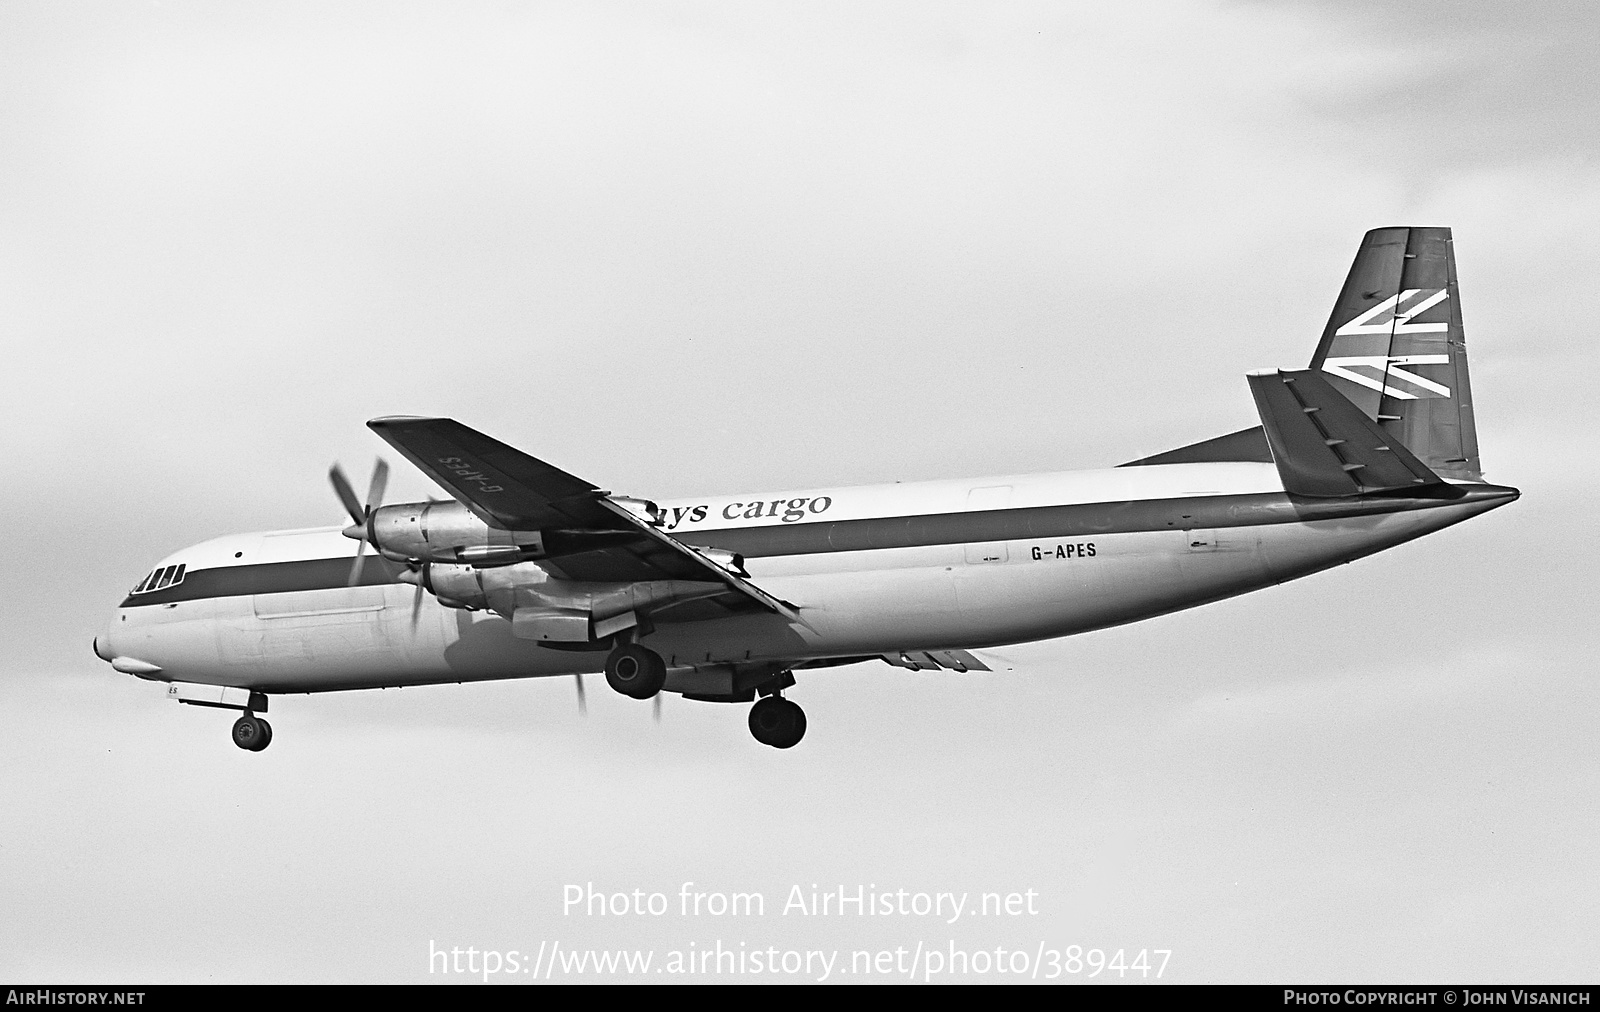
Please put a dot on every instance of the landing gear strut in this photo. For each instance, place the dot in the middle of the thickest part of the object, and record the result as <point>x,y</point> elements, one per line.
<point>252,733</point>
<point>777,722</point>
<point>636,671</point>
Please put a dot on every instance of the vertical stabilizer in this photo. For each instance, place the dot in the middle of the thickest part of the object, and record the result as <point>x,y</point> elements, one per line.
<point>1394,347</point>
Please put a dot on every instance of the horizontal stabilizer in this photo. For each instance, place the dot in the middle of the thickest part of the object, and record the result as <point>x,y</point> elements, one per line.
<point>1327,447</point>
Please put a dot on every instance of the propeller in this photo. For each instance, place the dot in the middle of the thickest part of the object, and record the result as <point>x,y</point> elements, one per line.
<point>583,703</point>
<point>416,574</point>
<point>416,599</point>
<point>655,706</point>
<point>362,515</point>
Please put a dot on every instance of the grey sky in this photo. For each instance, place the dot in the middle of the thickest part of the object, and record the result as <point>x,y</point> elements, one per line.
<point>682,249</point>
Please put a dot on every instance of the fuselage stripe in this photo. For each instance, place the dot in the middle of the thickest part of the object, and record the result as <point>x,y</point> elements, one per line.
<point>269,578</point>
<point>931,529</point>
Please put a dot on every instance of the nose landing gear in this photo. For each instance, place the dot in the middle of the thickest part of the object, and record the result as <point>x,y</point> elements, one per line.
<point>252,733</point>
<point>777,722</point>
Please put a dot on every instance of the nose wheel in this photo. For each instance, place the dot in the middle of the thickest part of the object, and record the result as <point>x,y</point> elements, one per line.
<point>252,733</point>
<point>777,722</point>
<point>636,671</point>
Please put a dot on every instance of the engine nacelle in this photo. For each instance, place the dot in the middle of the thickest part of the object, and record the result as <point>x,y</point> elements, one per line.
<point>733,562</point>
<point>541,607</point>
<point>644,509</point>
<point>458,585</point>
<point>448,532</point>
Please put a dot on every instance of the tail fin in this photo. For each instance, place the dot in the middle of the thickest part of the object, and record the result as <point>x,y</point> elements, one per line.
<point>1394,347</point>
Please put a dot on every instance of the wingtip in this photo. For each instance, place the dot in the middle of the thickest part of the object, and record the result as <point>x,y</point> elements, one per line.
<point>373,423</point>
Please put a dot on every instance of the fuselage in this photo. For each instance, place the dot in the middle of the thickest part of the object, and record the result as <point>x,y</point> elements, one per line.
<point>873,570</point>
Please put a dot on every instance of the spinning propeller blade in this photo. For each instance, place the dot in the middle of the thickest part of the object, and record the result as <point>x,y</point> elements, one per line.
<point>346,494</point>
<point>380,480</point>
<point>416,599</point>
<point>355,567</point>
<point>361,528</point>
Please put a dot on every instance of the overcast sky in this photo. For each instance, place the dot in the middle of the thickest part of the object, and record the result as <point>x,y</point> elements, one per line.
<point>683,249</point>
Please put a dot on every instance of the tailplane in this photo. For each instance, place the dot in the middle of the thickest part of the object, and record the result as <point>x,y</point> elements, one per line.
<point>1325,447</point>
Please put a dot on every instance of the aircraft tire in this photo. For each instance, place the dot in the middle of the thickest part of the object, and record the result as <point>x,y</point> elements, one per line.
<point>251,733</point>
<point>777,722</point>
<point>636,671</point>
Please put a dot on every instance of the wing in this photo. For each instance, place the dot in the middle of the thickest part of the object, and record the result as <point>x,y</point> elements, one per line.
<point>510,490</point>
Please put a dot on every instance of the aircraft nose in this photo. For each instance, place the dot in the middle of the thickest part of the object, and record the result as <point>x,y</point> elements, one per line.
<point>102,642</point>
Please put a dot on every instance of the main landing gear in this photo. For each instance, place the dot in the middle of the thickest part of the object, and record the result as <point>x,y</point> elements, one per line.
<point>636,671</point>
<point>777,722</point>
<point>252,733</point>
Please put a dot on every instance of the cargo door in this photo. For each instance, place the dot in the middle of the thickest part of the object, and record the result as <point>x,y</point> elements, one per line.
<point>299,573</point>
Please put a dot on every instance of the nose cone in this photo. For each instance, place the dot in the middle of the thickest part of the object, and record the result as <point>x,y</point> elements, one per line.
<point>102,642</point>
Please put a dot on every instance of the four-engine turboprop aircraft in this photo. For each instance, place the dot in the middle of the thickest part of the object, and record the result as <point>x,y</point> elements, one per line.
<point>529,571</point>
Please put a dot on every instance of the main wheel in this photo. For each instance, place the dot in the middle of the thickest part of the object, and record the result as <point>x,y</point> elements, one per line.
<point>251,733</point>
<point>636,671</point>
<point>777,722</point>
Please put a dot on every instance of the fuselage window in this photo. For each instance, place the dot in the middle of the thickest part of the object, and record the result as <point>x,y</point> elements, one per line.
<point>160,580</point>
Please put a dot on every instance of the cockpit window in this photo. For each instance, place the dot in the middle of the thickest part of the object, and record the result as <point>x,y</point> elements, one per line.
<point>160,579</point>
